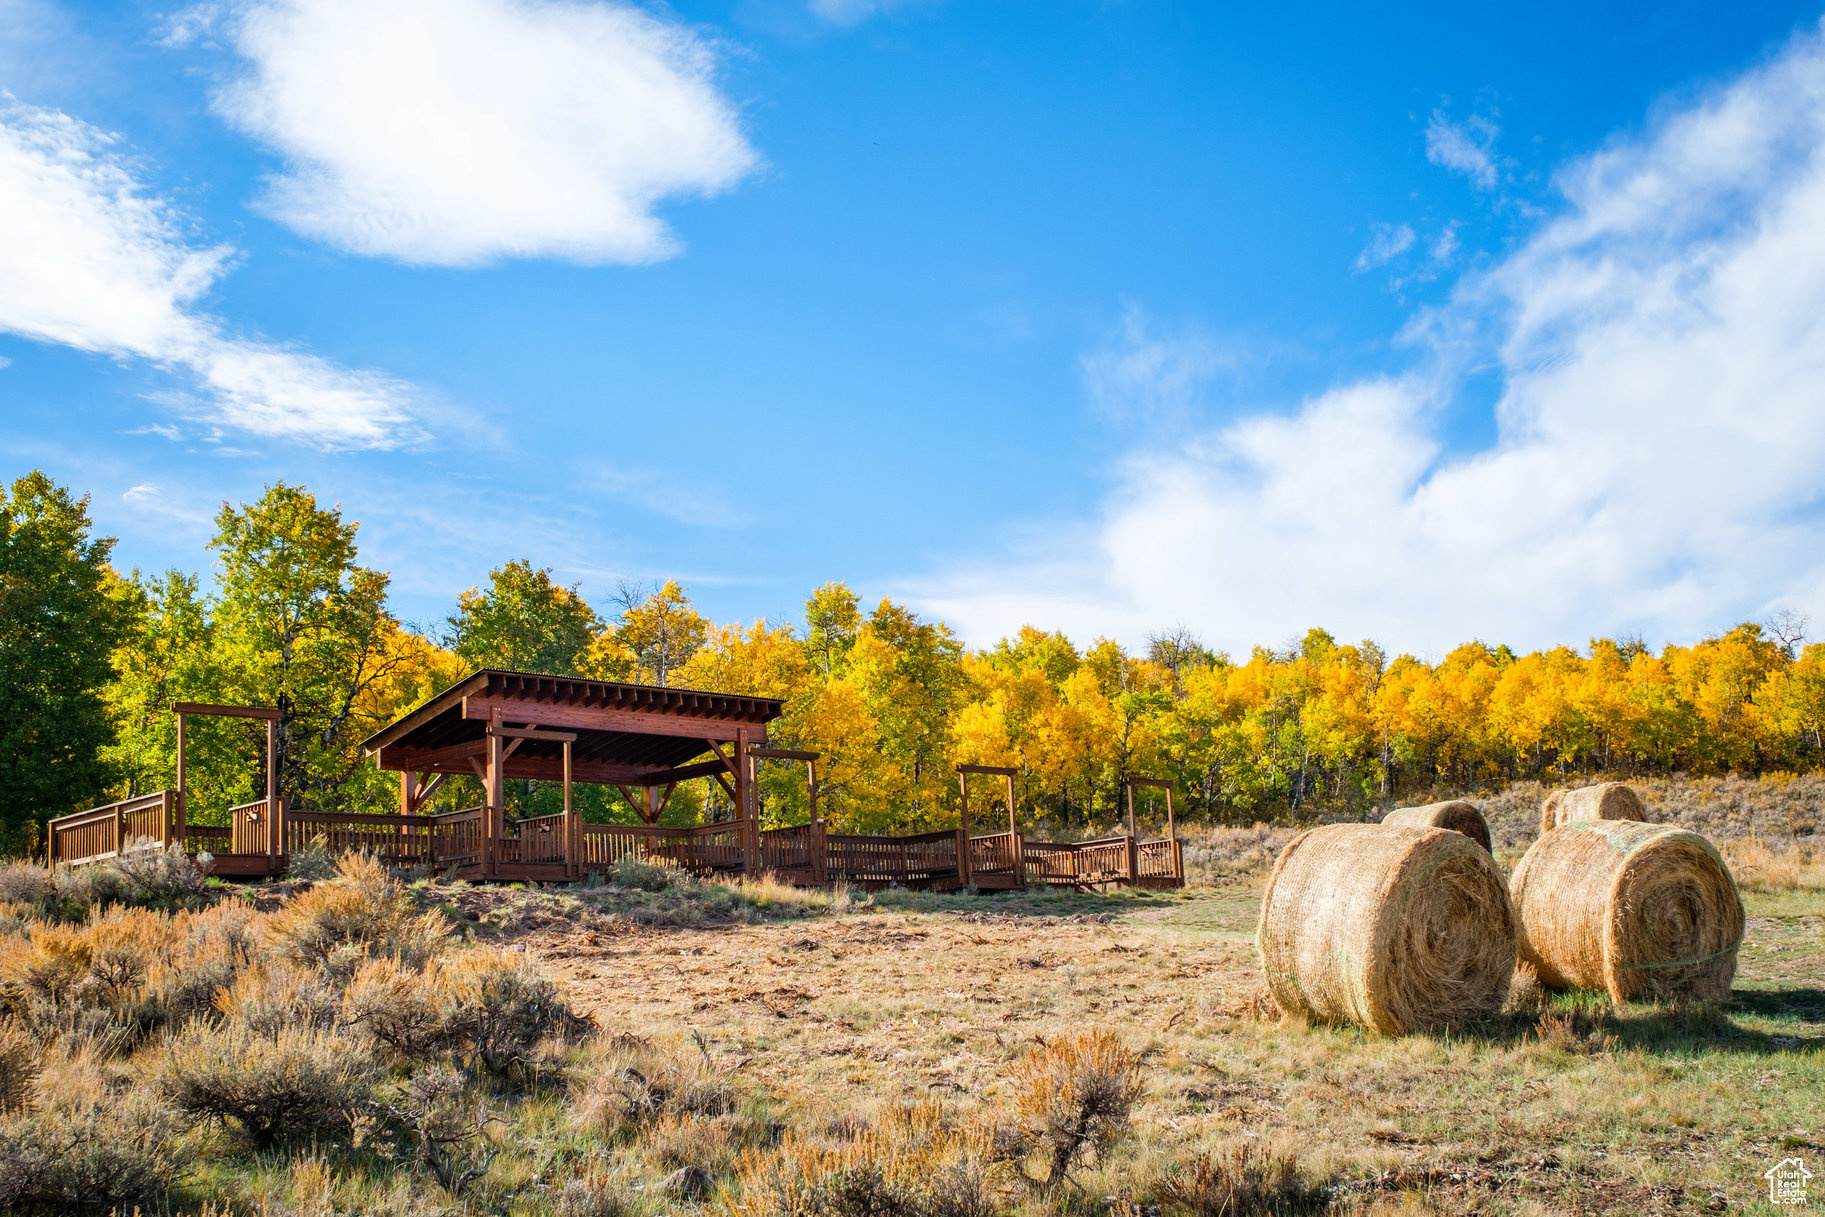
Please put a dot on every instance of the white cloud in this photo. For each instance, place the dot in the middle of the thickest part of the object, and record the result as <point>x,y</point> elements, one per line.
<point>854,12</point>
<point>1661,346</point>
<point>1467,147</point>
<point>1386,243</point>
<point>456,132</point>
<point>1146,377</point>
<point>93,261</point>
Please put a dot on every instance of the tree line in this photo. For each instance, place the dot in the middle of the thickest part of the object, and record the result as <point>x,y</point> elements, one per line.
<point>91,660</point>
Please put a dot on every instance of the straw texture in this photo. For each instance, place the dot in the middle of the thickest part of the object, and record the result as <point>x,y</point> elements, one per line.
<point>1393,927</point>
<point>1638,910</point>
<point>1456,815</point>
<point>1610,801</point>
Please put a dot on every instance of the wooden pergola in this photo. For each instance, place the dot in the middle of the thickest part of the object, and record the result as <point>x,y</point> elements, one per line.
<point>497,725</point>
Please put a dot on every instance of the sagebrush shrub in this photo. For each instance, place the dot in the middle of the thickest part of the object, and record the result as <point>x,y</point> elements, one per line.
<point>28,885</point>
<point>301,1084</point>
<point>631,872</point>
<point>1240,1179</point>
<point>277,995</point>
<point>363,913</point>
<point>95,1158</point>
<point>165,877</point>
<point>628,1083</point>
<point>500,1003</point>
<point>448,1121</point>
<point>1075,1098</point>
<point>399,1008</point>
<point>316,861</point>
<point>921,1162</point>
<point>19,1065</point>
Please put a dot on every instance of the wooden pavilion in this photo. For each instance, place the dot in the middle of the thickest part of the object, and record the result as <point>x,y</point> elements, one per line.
<point>644,740</point>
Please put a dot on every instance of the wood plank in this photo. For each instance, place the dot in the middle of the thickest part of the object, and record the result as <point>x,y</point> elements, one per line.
<point>581,718</point>
<point>200,707</point>
<point>783,754</point>
<point>999,771</point>
<point>524,733</point>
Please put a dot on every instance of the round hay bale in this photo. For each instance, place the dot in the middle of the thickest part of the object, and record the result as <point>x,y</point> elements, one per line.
<point>1457,815</point>
<point>1638,910</point>
<point>1390,926</point>
<point>1610,801</point>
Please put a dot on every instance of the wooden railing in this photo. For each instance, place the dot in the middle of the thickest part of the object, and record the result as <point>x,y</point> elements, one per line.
<point>994,855</point>
<point>799,848</point>
<point>103,832</point>
<point>456,836</point>
<point>396,840</point>
<point>1160,860</point>
<point>1077,863</point>
<point>701,850</point>
<point>545,838</point>
<point>253,829</point>
<point>805,853</point>
<point>914,859</point>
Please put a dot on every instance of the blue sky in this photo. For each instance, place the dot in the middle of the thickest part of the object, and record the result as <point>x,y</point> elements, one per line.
<point>1424,325</point>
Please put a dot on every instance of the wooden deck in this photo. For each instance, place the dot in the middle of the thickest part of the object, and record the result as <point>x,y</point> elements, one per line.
<point>561,848</point>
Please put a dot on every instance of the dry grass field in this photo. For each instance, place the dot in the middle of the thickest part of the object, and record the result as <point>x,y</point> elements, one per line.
<point>664,1045</point>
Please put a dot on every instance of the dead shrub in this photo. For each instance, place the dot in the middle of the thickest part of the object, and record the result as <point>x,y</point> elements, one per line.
<point>363,913</point>
<point>919,1163</point>
<point>398,1008</point>
<point>633,1083</point>
<point>299,1084</point>
<point>591,1196</point>
<point>19,1066</point>
<point>448,1121</point>
<point>1240,1179</point>
<point>499,1004</point>
<point>1074,1099</point>
<point>96,1158</point>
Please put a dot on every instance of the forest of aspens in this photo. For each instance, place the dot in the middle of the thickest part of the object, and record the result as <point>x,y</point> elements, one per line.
<point>282,611</point>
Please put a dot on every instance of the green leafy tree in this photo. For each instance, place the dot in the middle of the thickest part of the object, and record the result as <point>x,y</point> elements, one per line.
<point>524,622</point>
<point>61,613</point>
<point>301,625</point>
<point>831,623</point>
<point>662,631</point>
<point>164,656</point>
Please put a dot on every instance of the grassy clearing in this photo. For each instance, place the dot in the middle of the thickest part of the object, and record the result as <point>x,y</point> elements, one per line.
<point>656,1045</point>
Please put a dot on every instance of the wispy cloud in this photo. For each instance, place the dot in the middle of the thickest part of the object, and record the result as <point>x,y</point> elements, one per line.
<point>94,261</point>
<point>1386,243</point>
<point>1467,147</point>
<point>456,132</point>
<point>1659,345</point>
<point>854,12</point>
<point>1149,377</point>
<point>666,494</point>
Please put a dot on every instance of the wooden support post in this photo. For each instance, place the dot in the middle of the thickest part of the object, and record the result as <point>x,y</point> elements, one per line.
<point>573,856</point>
<point>182,827</point>
<point>275,838</point>
<point>496,828</point>
<point>649,813</point>
<point>746,804</point>
<point>963,828</point>
<point>1020,848</point>
<point>1129,786</point>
